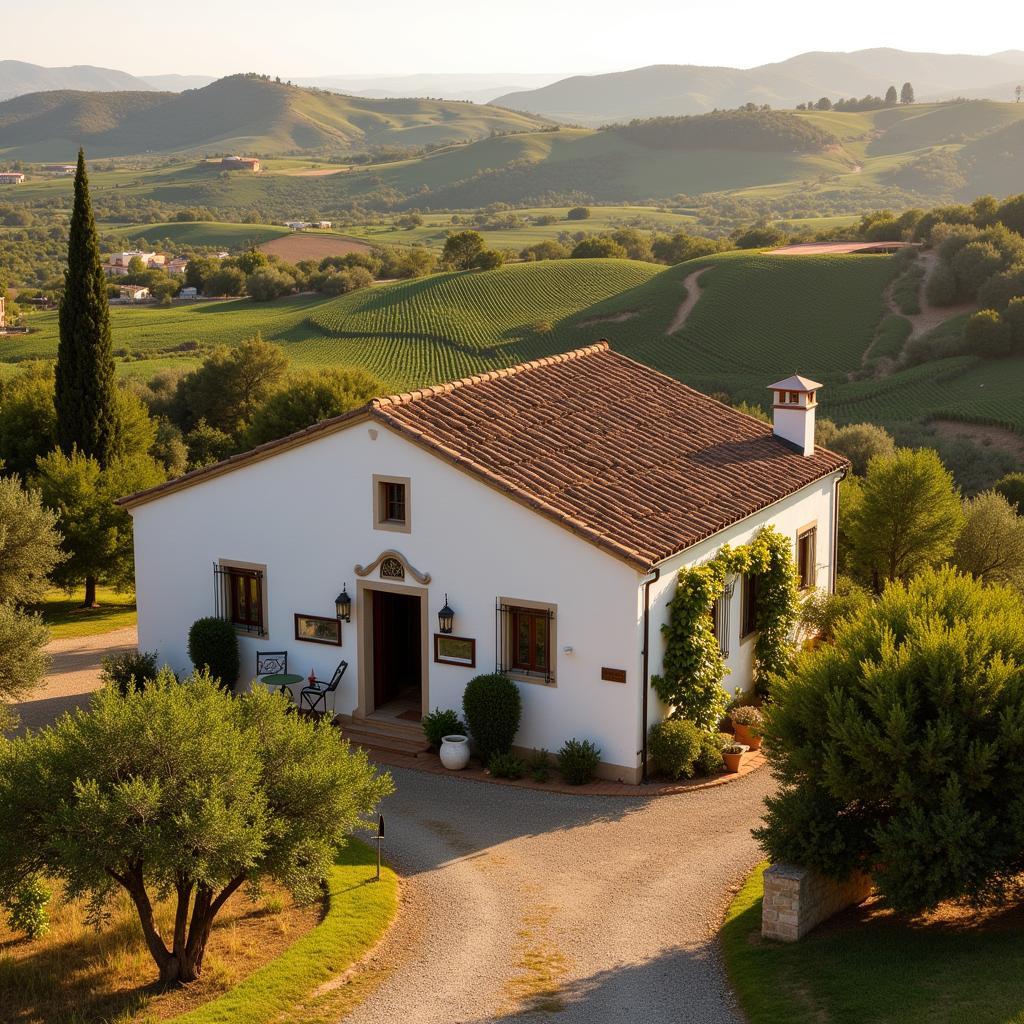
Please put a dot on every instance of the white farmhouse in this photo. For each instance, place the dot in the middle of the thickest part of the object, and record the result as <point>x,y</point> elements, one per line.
<point>548,506</point>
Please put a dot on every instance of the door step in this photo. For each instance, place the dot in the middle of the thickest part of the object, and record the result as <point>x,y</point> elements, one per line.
<point>388,735</point>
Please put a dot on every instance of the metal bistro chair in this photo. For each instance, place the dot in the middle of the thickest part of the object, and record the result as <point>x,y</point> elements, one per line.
<point>311,697</point>
<point>273,663</point>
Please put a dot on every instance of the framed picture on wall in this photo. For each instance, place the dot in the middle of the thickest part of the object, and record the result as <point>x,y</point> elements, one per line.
<point>454,650</point>
<point>318,629</point>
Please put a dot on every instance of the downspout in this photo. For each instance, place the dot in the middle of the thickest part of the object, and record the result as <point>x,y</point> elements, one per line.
<point>835,532</point>
<point>646,671</point>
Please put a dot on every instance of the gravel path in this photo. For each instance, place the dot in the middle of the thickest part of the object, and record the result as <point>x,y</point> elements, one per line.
<point>592,909</point>
<point>73,674</point>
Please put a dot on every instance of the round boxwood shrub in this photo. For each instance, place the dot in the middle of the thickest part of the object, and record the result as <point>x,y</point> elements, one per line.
<point>440,723</point>
<point>709,757</point>
<point>212,644</point>
<point>492,707</point>
<point>674,747</point>
<point>578,761</point>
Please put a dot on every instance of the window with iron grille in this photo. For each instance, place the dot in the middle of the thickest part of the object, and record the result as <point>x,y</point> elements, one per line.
<point>239,597</point>
<point>525,640</point>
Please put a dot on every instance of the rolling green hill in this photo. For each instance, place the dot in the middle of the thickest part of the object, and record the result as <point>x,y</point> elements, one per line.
<point>213,233</point>
<point>242,113</point>
<point>759,317</point>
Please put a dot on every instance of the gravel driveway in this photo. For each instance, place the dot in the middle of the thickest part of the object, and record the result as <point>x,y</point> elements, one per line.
<point>73,674</point>
<point>520,904</point>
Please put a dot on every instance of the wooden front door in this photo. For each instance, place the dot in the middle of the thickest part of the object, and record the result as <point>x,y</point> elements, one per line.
<point>397,647</point>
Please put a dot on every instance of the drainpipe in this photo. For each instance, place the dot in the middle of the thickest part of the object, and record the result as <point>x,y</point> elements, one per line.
<point>646,673</point>
<point>835,531</point>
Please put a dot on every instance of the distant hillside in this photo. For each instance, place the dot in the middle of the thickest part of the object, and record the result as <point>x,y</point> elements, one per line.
<point>18,78</point>
<point>669,89</point>
<point>240,113</point>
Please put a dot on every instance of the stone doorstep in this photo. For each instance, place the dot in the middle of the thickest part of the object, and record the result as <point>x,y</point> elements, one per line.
<point>431,763</point>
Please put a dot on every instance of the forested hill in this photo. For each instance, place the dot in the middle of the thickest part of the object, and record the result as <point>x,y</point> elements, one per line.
<point>243,112</point>
<point>776,131</point>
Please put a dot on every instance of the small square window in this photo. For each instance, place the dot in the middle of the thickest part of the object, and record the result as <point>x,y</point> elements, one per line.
<point>391,503</point>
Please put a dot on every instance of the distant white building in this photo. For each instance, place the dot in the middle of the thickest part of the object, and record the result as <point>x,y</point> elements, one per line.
<point>118,263</point>
<point>323,223</point>
<point>188,293</point>
<point>298,225</point>
<point>177,265</point>
<point>11,177</point>
<point>133,293</point>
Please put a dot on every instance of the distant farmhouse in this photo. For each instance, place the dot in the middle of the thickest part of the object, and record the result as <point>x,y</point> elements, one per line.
<point>133,293</point>
<point>301,225</point>
<point>118,263</point>
<point>11,177</point>
<point>240,163</point>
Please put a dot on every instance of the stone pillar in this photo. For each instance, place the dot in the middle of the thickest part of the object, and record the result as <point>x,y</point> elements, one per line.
<point>795,900</point>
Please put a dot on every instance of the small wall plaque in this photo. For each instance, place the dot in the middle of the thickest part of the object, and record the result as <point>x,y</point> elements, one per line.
<point>318,629</point>
<point>613,675</point>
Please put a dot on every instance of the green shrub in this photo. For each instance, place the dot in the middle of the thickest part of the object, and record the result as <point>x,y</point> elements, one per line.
<point>1011,487</point>
<point>674,746</point>
<point>709,757</point>
<point>539,765</point>
<point>821,611</point>
<point>26,908</point>
<point>506,766</point>
<point>492,707</point>
<point>130,668</point>
<point>578,761</point>
<point>212,643</point>
<point>440,723</point>
<point>897,748</point>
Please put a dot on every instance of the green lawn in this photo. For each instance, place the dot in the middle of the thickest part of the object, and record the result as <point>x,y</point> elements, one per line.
<point>869,968</point>
<point>360,910</point>
<point>66,617</point>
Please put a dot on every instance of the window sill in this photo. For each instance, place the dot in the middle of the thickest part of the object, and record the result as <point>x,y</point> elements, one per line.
<point>393,527</point>
<point>242,631</point>
<point>525,677</point>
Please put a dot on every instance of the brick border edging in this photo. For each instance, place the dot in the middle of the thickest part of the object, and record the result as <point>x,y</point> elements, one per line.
<point>430,764</point>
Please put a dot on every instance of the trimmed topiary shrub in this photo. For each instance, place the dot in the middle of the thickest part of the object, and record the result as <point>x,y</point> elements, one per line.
<point>128,669</point>
<point>578,761</point>
<point>492,707</point>
<point>440,723</point>
<point>898,746</point>
<point>674,746</point>
<point>506,766</point>
<point>213,644</point>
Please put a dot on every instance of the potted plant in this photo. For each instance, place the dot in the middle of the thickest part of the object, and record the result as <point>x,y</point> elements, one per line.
<point>748,722</point>
<point>454,752</point>
<point>732,755</point>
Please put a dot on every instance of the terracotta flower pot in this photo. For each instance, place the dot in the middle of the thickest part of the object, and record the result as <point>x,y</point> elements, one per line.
<point>746,736</point>
<point>732,761</point>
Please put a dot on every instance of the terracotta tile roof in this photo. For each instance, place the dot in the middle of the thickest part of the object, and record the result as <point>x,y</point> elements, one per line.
<point>627,458</point>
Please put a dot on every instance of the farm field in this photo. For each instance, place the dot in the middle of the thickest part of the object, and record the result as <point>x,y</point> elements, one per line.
<point>758,317</point>
<point>435,227</point>
<point>204,232</point>
<point>312,245</point>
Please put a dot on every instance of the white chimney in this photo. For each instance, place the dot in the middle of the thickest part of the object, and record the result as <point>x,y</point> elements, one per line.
<point>794,405</point>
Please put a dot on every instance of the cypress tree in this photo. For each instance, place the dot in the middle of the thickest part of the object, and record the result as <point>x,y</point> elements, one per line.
<point>84,395</point>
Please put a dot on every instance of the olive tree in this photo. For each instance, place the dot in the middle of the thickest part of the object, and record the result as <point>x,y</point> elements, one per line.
<point>180,791</point>
<point>897,746</point>
<point>991,544</point>
<point>904,517</point>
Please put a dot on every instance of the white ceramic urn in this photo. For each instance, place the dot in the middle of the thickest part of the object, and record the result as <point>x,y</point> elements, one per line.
<point>454,752</point>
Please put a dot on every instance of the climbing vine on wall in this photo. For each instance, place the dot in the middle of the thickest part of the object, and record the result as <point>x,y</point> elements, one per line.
<point>693,670</point>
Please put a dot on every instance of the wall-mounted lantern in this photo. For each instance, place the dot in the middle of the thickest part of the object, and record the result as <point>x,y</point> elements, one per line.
<point>343,605</point>
<point>446,617</point>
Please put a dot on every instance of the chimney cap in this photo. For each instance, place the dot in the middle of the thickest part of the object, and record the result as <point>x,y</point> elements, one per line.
<point>795,383</point>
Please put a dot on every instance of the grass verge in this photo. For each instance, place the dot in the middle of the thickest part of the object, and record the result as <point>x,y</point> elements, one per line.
<point>952,966</point>
<point>359,912</point>
<point>67,618</point>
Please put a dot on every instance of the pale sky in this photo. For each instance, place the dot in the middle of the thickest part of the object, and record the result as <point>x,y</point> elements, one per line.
<point>303,38</point>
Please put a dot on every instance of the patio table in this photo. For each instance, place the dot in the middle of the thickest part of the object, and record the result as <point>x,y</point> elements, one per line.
<point>283,681</point>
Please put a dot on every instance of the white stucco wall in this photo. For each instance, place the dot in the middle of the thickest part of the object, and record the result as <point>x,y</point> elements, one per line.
<point>306,514</point>
<point>812,504</point>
